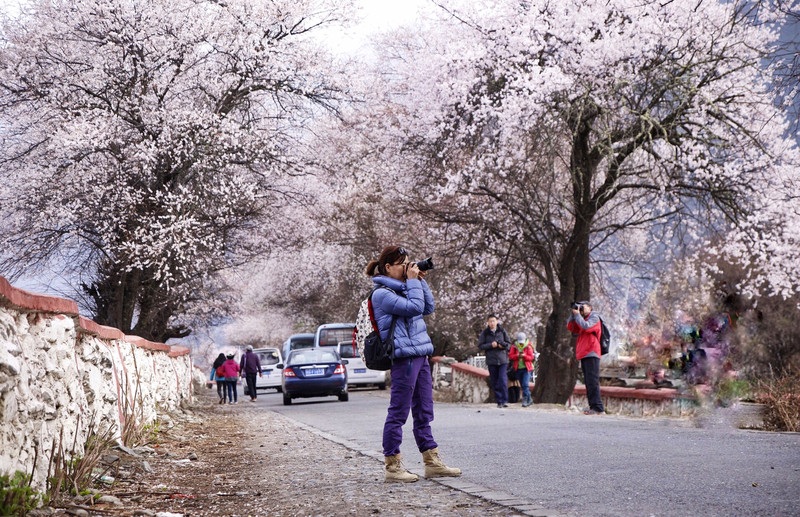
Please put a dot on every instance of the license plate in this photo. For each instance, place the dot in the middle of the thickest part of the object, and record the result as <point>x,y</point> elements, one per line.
<point>360,370</point>
<point>314,371</point>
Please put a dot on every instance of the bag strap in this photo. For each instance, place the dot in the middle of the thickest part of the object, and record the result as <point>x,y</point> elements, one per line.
<point>372,315</point>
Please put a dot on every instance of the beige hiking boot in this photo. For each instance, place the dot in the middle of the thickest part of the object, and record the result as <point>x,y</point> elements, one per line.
<point>396,472</point>
<point>435,467</point>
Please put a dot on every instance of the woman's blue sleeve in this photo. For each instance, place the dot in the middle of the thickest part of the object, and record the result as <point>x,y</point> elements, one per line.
<point>429,304</point>
<point>392,303</point>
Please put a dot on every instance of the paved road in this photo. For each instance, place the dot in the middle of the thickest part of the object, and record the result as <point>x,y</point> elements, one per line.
<point>576,464</point>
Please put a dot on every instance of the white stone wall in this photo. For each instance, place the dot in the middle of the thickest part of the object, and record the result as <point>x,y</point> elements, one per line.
<point>677,407</point>
<point>470,388</point>
<point>56,377</point>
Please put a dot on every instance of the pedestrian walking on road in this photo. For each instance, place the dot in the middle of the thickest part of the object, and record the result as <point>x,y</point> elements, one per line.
<point>219,380</point>
<point>522,356</point>
<point>495,343</point>
<point>402,299</point>
<point>231,371</point>
<point>250,366</point>
<point>586,324</point>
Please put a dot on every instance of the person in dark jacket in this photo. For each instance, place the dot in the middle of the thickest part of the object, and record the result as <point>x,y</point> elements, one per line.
<point>250,365</point>
<point>402,297</point>
<point>586,324</point>
<point>495,343</point>
<point>219,361</point>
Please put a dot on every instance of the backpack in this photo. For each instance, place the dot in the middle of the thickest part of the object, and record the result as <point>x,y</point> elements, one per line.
<point>220,372</point>
<point>605,338</point>
<point>376,353</point>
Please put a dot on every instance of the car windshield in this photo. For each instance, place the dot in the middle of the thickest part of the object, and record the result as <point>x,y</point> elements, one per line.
<point>301,342</point>
<point>268,357</point>
<point>312,355</point>
<point>332,337</point>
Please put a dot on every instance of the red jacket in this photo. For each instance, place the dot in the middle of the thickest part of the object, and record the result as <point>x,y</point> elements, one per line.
<point>230,368</point>
<point>588,332</point>
<point>527,355</point>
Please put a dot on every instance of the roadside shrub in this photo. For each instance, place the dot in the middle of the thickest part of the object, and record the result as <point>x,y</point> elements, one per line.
<point>16,495</point>
<point>71,472</point>
<point>730,390</point>
<point>781,396</point>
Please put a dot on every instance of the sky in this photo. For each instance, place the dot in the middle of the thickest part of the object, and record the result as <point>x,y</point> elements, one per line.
<point>376,16</point>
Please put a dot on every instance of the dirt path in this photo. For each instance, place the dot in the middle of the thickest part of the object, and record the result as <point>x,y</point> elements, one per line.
<point>253,462</point>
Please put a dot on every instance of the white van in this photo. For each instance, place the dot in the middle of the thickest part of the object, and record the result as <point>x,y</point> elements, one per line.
<point>357,373</point>
<point>339,336</point>
<point>271,376</point>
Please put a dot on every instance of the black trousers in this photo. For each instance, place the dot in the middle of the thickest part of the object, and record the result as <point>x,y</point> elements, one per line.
<point>591,376</point>
<point>251,384</point>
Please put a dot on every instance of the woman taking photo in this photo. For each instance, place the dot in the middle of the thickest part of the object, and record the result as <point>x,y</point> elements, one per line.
<point>402,296</point>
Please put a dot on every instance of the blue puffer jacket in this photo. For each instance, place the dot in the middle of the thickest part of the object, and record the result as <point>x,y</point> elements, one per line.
<point>409,301</point>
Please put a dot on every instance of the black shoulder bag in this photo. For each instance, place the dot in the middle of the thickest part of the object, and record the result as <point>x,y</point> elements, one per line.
<point>378,353</point>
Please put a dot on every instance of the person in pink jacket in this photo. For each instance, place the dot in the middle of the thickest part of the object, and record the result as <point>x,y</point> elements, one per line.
<point>231,370</point>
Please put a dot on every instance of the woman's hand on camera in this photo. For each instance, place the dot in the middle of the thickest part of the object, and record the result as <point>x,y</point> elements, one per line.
<point>413,271</point>
<point>422,274</point>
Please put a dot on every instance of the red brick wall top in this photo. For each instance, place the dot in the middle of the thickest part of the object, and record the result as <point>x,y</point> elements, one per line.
<point>633,393</point>
<point>178,350</point>
<point>472,370</point>
<point>23,300</point>
<point>143,343</point>
<point>100,331</point>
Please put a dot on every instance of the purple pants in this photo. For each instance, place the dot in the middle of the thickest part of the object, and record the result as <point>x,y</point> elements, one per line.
<point>412,388</point>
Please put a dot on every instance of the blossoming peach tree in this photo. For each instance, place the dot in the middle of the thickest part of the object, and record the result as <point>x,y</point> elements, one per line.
<point>147,145</point>
<point>554,137</point>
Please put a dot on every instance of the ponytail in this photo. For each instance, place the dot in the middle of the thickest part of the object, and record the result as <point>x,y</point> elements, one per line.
<point>371,267</point>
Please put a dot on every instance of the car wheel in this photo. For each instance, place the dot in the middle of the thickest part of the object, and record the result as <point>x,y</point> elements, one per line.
<point>344,397</point>
<point>287,400</point>
<point>382,386</point>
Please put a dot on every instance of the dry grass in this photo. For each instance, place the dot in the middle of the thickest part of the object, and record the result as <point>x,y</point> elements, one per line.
<point>781,396</point>
<point>70,472</point>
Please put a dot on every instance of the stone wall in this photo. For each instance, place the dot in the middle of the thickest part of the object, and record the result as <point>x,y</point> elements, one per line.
<point>62,375</point>
<point>638,402</point>
<point>464,383</point>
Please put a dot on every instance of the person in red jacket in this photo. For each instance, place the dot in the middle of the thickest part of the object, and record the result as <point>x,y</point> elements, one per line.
<point>231,370</point>
<point>586,324</point>
<point>522,356</point>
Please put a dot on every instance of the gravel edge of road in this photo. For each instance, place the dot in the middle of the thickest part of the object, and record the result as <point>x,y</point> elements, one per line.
<point>523,506</point>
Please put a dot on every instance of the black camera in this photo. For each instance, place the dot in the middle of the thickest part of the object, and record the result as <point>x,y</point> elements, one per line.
<point>425,265</point>
<point>577,306</point>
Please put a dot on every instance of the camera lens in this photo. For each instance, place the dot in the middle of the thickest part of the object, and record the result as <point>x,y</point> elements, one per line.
<point>425,265</point>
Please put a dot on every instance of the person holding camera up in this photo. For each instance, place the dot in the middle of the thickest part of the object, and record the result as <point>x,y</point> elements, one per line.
<point>495,343</point>
<point>403,298</point>
<point>586,324</point>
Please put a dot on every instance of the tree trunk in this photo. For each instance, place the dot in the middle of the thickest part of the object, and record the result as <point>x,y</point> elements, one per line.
<point>120,296</point>
<point>558,367</point>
